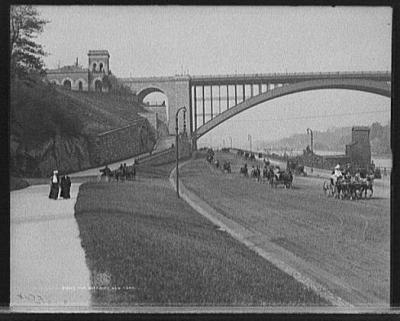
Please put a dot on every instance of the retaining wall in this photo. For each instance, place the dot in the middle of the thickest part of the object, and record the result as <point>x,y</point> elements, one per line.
<point>169,155</point>
<point>123,143</point>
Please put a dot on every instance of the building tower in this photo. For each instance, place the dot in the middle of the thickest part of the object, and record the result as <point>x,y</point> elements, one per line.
<point>98,68</point>
<point>359,149</point>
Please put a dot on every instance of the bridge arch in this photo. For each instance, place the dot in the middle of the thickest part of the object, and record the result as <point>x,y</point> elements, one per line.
<point>375,87</point>
<point>147,91</point>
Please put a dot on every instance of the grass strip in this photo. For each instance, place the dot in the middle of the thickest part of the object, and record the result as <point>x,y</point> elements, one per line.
<point>146,247</point>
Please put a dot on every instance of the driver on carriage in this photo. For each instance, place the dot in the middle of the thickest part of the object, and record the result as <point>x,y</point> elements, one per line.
<point>336,174</point>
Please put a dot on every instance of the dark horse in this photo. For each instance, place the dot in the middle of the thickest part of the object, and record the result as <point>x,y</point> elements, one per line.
<point>226,167</point>
<point>285,178</point>
<point>244,170</point>
<point>368,186</point>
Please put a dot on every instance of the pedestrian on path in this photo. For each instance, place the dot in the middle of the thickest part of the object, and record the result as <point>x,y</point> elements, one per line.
<point>65,187</point>
<point>54,185</point>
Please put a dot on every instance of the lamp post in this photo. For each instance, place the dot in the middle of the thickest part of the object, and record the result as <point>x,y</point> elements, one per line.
<point>177,142</point>
<point>249,139</point>
<point>309,131</point>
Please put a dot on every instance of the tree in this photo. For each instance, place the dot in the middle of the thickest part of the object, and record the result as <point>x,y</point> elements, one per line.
<point>26,55</point>
<point>115,86</point>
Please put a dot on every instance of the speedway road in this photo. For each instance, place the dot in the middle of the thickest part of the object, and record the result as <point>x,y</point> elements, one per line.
<point>349,240</point>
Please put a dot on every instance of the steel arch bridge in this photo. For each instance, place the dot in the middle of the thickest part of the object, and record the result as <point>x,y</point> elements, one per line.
<point>370,86</point>
<point>213,99</point>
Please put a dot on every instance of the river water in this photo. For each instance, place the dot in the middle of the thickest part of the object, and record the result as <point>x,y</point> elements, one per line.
<point>380,161</point>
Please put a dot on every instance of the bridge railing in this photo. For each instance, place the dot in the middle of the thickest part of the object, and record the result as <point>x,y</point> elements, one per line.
<point>293,74</point>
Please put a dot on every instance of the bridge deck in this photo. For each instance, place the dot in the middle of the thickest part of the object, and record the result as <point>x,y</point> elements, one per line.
<point>265,77</point>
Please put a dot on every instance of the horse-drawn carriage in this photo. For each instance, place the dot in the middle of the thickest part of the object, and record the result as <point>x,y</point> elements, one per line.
<point>123,173</point>
<point>278,177</point>
<point>296,168</point>
<point>210,155</point>
<point>350,188</point>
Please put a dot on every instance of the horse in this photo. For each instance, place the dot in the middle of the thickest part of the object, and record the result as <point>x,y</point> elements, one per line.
<point>244,170</point>
<point>226,167</point>
<point>285,178</point>
<point>367,185</point>
<point>328,188</point>
<point>255,173</point>
<point>130,173</point>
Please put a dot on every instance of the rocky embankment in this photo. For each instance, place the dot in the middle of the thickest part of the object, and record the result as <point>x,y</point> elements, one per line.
<point>52,129</point>
<point>67,154</point>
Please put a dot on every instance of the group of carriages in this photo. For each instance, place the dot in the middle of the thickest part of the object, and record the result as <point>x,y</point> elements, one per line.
<point>349,185</point>
<point>122,173</point>
<point>226,165</point>
<point>269,173</point>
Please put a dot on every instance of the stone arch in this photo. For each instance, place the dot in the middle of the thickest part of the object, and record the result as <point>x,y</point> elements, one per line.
<point>375,87</point>
<point>144,92</point>
<point>67,83</point>
<point>98,85</point>
<point>80,84</point>
<point>101,67</point>
<point>94,66</point>
<point>55,82</point>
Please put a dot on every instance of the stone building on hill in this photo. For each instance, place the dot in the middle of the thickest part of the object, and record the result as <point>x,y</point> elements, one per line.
<point>75,77</point>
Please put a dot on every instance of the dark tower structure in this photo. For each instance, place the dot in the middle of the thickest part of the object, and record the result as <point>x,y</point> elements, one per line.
<point>359,150</point>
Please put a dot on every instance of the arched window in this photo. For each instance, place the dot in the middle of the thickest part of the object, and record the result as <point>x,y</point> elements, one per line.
<point>94,66</point>
<point>80,86</point>
<point>67,84</point>
<point>98,86</point>
<point>101,67</point>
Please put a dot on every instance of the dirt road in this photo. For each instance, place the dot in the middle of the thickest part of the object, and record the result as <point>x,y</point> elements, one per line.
<point>347,240</point>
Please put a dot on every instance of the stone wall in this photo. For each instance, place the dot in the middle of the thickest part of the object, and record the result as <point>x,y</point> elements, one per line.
<point>123,143</point>
<point>169,155</point>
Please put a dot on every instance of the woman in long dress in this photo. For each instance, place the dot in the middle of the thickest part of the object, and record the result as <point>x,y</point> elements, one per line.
<point>65,187</point>
<point>54,185</point>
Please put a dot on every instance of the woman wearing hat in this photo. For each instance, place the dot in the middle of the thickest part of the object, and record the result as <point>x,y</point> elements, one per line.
<point>54,185</point>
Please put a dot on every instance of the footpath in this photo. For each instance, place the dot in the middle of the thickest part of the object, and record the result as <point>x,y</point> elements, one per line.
<point>47,262</point>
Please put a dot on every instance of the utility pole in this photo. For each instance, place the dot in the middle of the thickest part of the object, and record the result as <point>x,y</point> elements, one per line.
<point>177,142</point>
<point>309,131</point>
<point>249,139</point>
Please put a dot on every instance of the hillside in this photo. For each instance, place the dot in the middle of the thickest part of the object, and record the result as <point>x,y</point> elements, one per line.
<point>54,128</point>
<point>334,139</point>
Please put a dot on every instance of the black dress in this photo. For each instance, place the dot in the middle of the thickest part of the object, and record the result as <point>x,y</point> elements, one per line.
<point>65,187</point>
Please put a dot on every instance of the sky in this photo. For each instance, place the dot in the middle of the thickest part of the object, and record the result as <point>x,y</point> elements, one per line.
<point>170,40</point>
